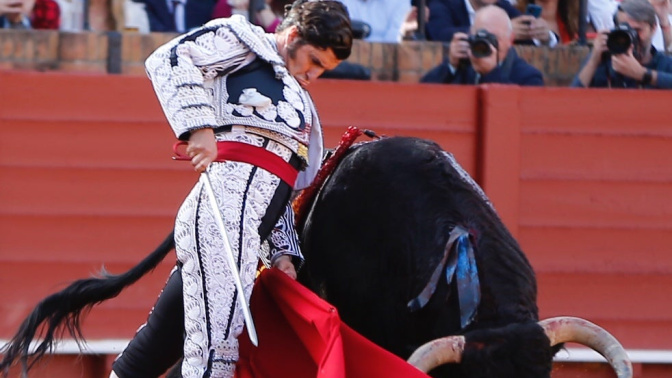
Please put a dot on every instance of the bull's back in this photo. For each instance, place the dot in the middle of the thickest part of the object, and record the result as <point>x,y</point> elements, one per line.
<point>378,230</point>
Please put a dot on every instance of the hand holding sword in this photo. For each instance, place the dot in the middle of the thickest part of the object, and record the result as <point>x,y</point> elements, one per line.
<point>202,150</point>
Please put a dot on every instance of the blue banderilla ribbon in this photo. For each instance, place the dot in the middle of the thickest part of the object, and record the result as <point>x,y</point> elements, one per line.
<point>460,265</point>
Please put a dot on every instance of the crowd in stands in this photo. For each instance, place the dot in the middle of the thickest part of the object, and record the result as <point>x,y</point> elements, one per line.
<point>493,25</point>
<point>491,60</point>
<point>27,14</point>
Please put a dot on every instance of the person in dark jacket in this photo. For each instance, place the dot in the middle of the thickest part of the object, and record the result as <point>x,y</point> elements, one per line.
<point>178,15</point>
<point>502,65</point>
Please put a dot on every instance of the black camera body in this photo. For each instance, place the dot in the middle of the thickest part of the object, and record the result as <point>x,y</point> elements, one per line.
<point>621,37</point>
<point>479,43</point>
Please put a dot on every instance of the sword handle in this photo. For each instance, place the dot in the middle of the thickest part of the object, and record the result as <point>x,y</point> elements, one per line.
<point>251,330</point>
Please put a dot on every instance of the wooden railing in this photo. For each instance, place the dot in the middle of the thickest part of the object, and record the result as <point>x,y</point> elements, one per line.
<point>115,52</point>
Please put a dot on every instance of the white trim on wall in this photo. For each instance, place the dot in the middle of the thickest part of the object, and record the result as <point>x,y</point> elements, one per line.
<point>644,356</point>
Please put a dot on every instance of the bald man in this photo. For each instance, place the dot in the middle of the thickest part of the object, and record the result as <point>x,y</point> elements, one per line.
<point>503,65</point>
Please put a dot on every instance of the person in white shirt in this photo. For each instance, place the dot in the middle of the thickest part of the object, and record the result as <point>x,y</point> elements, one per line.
<point>662,36</point>
<point>385,17</point>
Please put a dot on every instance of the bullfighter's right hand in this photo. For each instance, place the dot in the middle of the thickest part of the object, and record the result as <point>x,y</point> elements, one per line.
<point>202,148</point>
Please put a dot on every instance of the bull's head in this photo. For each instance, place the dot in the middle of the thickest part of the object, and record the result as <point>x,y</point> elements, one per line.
<point>559,330</point>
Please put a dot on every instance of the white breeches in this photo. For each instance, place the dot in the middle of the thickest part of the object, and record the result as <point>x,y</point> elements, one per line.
<point>213,318</point>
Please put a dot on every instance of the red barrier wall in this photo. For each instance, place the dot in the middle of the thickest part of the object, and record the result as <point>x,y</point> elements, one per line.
<point>581,177</point>
<point>587,190</point>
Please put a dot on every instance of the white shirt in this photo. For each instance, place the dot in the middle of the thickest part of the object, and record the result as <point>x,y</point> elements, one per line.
<point>176,7</point>
<point>601,13</point>
<point>384,16</point>
<point>657,39</point>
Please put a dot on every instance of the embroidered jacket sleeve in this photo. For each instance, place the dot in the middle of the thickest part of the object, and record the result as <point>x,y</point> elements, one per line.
<point>179,69</point>
<point>284,240</point>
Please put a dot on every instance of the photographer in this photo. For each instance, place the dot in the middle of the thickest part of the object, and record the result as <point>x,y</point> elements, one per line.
<point>447,17</point>
<point>485,56</point>
<point>625,57</point>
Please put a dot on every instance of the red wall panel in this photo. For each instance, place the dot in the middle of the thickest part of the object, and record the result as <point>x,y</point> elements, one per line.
<point>579,177</point>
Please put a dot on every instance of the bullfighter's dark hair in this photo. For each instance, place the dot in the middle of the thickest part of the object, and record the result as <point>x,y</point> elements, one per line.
<point>321,23</point>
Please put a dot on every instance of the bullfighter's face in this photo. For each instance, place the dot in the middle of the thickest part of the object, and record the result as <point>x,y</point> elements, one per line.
<point>305,62</point>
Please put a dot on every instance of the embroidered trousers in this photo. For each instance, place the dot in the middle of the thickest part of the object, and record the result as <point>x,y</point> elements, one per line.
<point>212,315</point>
<point>251,201</point>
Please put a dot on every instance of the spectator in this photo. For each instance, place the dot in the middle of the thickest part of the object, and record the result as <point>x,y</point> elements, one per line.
<point>177,15</point>
<point>561,16</point>
<point>71,15</point>
<point>268,13</point>
<point>46,14</point>
<point>502,65</point>
<point>385,17</point>
<point>601,13</point>
<point>409,28</point>
<point>662,37</point>
<point>14,14</point>
<point>130,16</point>
<point>447,17</point>
<point>642,66</point>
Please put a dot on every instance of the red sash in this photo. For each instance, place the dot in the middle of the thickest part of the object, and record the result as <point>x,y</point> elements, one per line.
<point>247,153</point>
<point>257,156</point>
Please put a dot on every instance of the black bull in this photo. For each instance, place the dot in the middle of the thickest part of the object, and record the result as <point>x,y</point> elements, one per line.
<point>372,239</point>
<point>377,232</point>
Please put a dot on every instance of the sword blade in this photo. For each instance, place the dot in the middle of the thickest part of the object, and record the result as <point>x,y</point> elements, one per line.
<point>251,330</point>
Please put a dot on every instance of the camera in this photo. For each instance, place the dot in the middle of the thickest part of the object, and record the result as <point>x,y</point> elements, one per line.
<point>479,43</point>
<point>621,37</point>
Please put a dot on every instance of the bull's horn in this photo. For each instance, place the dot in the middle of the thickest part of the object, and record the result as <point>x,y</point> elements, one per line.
<point>438,352</point>
<point>570,329</point>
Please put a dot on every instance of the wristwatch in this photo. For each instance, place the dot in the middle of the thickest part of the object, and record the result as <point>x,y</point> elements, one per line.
<point>646,79</point>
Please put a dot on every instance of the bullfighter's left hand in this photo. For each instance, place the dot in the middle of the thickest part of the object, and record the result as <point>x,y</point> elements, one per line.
<point>285,264</point>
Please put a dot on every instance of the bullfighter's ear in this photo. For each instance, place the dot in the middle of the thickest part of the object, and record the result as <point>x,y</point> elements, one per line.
<point>292,34</point>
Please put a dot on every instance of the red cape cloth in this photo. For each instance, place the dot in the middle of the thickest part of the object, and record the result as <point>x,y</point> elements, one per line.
<point>301,336</point>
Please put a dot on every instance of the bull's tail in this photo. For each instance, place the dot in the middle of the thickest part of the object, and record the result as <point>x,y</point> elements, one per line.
<point>64,310</point>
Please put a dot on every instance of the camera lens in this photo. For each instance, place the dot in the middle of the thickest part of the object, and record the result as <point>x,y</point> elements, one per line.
<point>480,49</point>
<point>480,42</point>
<point>619,41</point>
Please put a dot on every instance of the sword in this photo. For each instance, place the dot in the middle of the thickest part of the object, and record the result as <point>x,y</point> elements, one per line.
<point>251,330</point>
